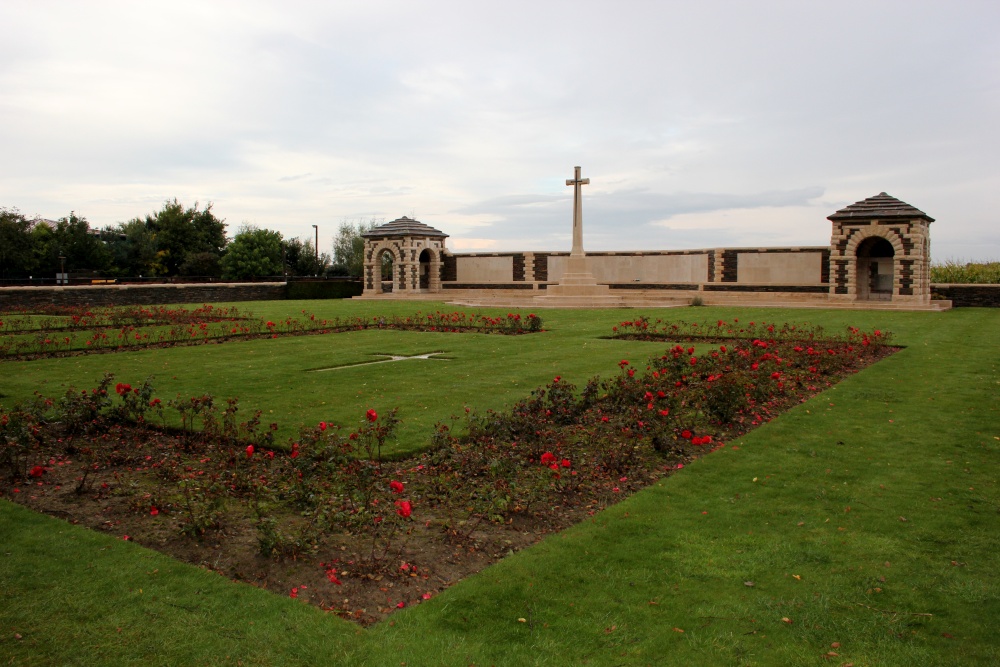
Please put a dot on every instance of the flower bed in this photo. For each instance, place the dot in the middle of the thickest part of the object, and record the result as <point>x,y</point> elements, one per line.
<point>326,518</point>
<point>57,332</point>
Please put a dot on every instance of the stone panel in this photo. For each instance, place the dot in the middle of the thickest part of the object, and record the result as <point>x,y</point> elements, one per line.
<point>655,286</point>
<point>449,268</point>
<point>729,266</point>
<point>638,268</point>
<point>780,267</point>
<point>485,269</point>
<point>541,267</point>
<point>795,289</point>
<point>519,267</point>
<point>493,286</point>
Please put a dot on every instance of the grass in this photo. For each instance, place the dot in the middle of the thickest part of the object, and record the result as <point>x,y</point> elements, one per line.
<point>483,371</point>
<point>868,517</point>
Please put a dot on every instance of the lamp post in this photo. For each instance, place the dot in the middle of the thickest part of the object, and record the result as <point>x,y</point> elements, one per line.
<point>62,271</point>
<point>316,247</point>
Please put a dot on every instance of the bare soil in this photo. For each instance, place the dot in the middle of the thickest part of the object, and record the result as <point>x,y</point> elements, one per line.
<point>430,554</point>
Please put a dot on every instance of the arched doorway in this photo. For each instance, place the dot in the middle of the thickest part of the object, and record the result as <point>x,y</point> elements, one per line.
<point>425,269</point>
<point>385,264</point>
<point>876,269</point>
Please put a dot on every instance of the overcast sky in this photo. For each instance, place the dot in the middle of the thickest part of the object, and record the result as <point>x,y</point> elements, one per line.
<point>700,124</point>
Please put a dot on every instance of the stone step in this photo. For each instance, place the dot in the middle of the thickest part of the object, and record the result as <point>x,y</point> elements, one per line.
<point>647,299</point>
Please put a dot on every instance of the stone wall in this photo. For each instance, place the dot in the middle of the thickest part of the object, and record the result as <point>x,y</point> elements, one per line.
<point>982,296</point>
<point>806,267</point>
<point>120,295</point>
<point>638,267</point>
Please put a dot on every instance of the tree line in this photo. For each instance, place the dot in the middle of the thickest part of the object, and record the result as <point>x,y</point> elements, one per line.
<point>174,241</point>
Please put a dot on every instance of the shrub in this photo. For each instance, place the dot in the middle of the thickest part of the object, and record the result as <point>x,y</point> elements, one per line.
<point>323,289</point>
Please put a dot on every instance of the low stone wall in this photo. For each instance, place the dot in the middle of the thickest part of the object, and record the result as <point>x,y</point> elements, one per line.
<point>981,296</point>
<point>121,295</point>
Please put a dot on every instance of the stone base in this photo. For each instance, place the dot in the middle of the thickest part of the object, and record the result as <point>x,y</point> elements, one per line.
<point>577,282</point>
<point>575,289</point>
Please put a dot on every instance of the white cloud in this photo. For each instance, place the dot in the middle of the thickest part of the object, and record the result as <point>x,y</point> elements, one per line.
<point>471,115</point>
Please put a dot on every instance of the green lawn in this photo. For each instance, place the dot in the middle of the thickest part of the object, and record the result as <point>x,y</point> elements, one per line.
<point>868,517</point>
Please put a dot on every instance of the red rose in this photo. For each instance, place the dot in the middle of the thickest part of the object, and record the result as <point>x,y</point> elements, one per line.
<point>397,487</point>
<point>372,415</point>
<point>404,508</point>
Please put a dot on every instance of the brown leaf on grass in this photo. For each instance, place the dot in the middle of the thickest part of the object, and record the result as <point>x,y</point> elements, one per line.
<point>678,630</point>
<point>785,619</point>
<point>611,628</point>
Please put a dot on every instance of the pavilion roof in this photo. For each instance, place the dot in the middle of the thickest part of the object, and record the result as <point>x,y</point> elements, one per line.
<point>881,206</point>
<point>403,227</point>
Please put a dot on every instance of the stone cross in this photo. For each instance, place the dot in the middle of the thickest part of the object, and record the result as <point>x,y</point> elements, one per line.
<point>577,182</point>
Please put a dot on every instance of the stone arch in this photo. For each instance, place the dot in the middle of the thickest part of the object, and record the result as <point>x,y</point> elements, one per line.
<point>874,230</point>
<point>374,253</point>
<point>873,253</point>
<point>424,259</point>
<point>430,262</point>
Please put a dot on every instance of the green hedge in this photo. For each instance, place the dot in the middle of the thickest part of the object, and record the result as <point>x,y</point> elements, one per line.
<point>323,289</point>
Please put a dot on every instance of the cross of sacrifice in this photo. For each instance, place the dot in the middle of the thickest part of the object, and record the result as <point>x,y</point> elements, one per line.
<point>577,182</point>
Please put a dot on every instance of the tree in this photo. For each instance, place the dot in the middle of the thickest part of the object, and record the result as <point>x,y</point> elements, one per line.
<point>301,259</point>
<point>201,264</point>
<point>181,232</point>
<point>253,253</point>
<point>349,247</point>
<point>133,249</point>
<point>73,240</point>
<point>17,258</point>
